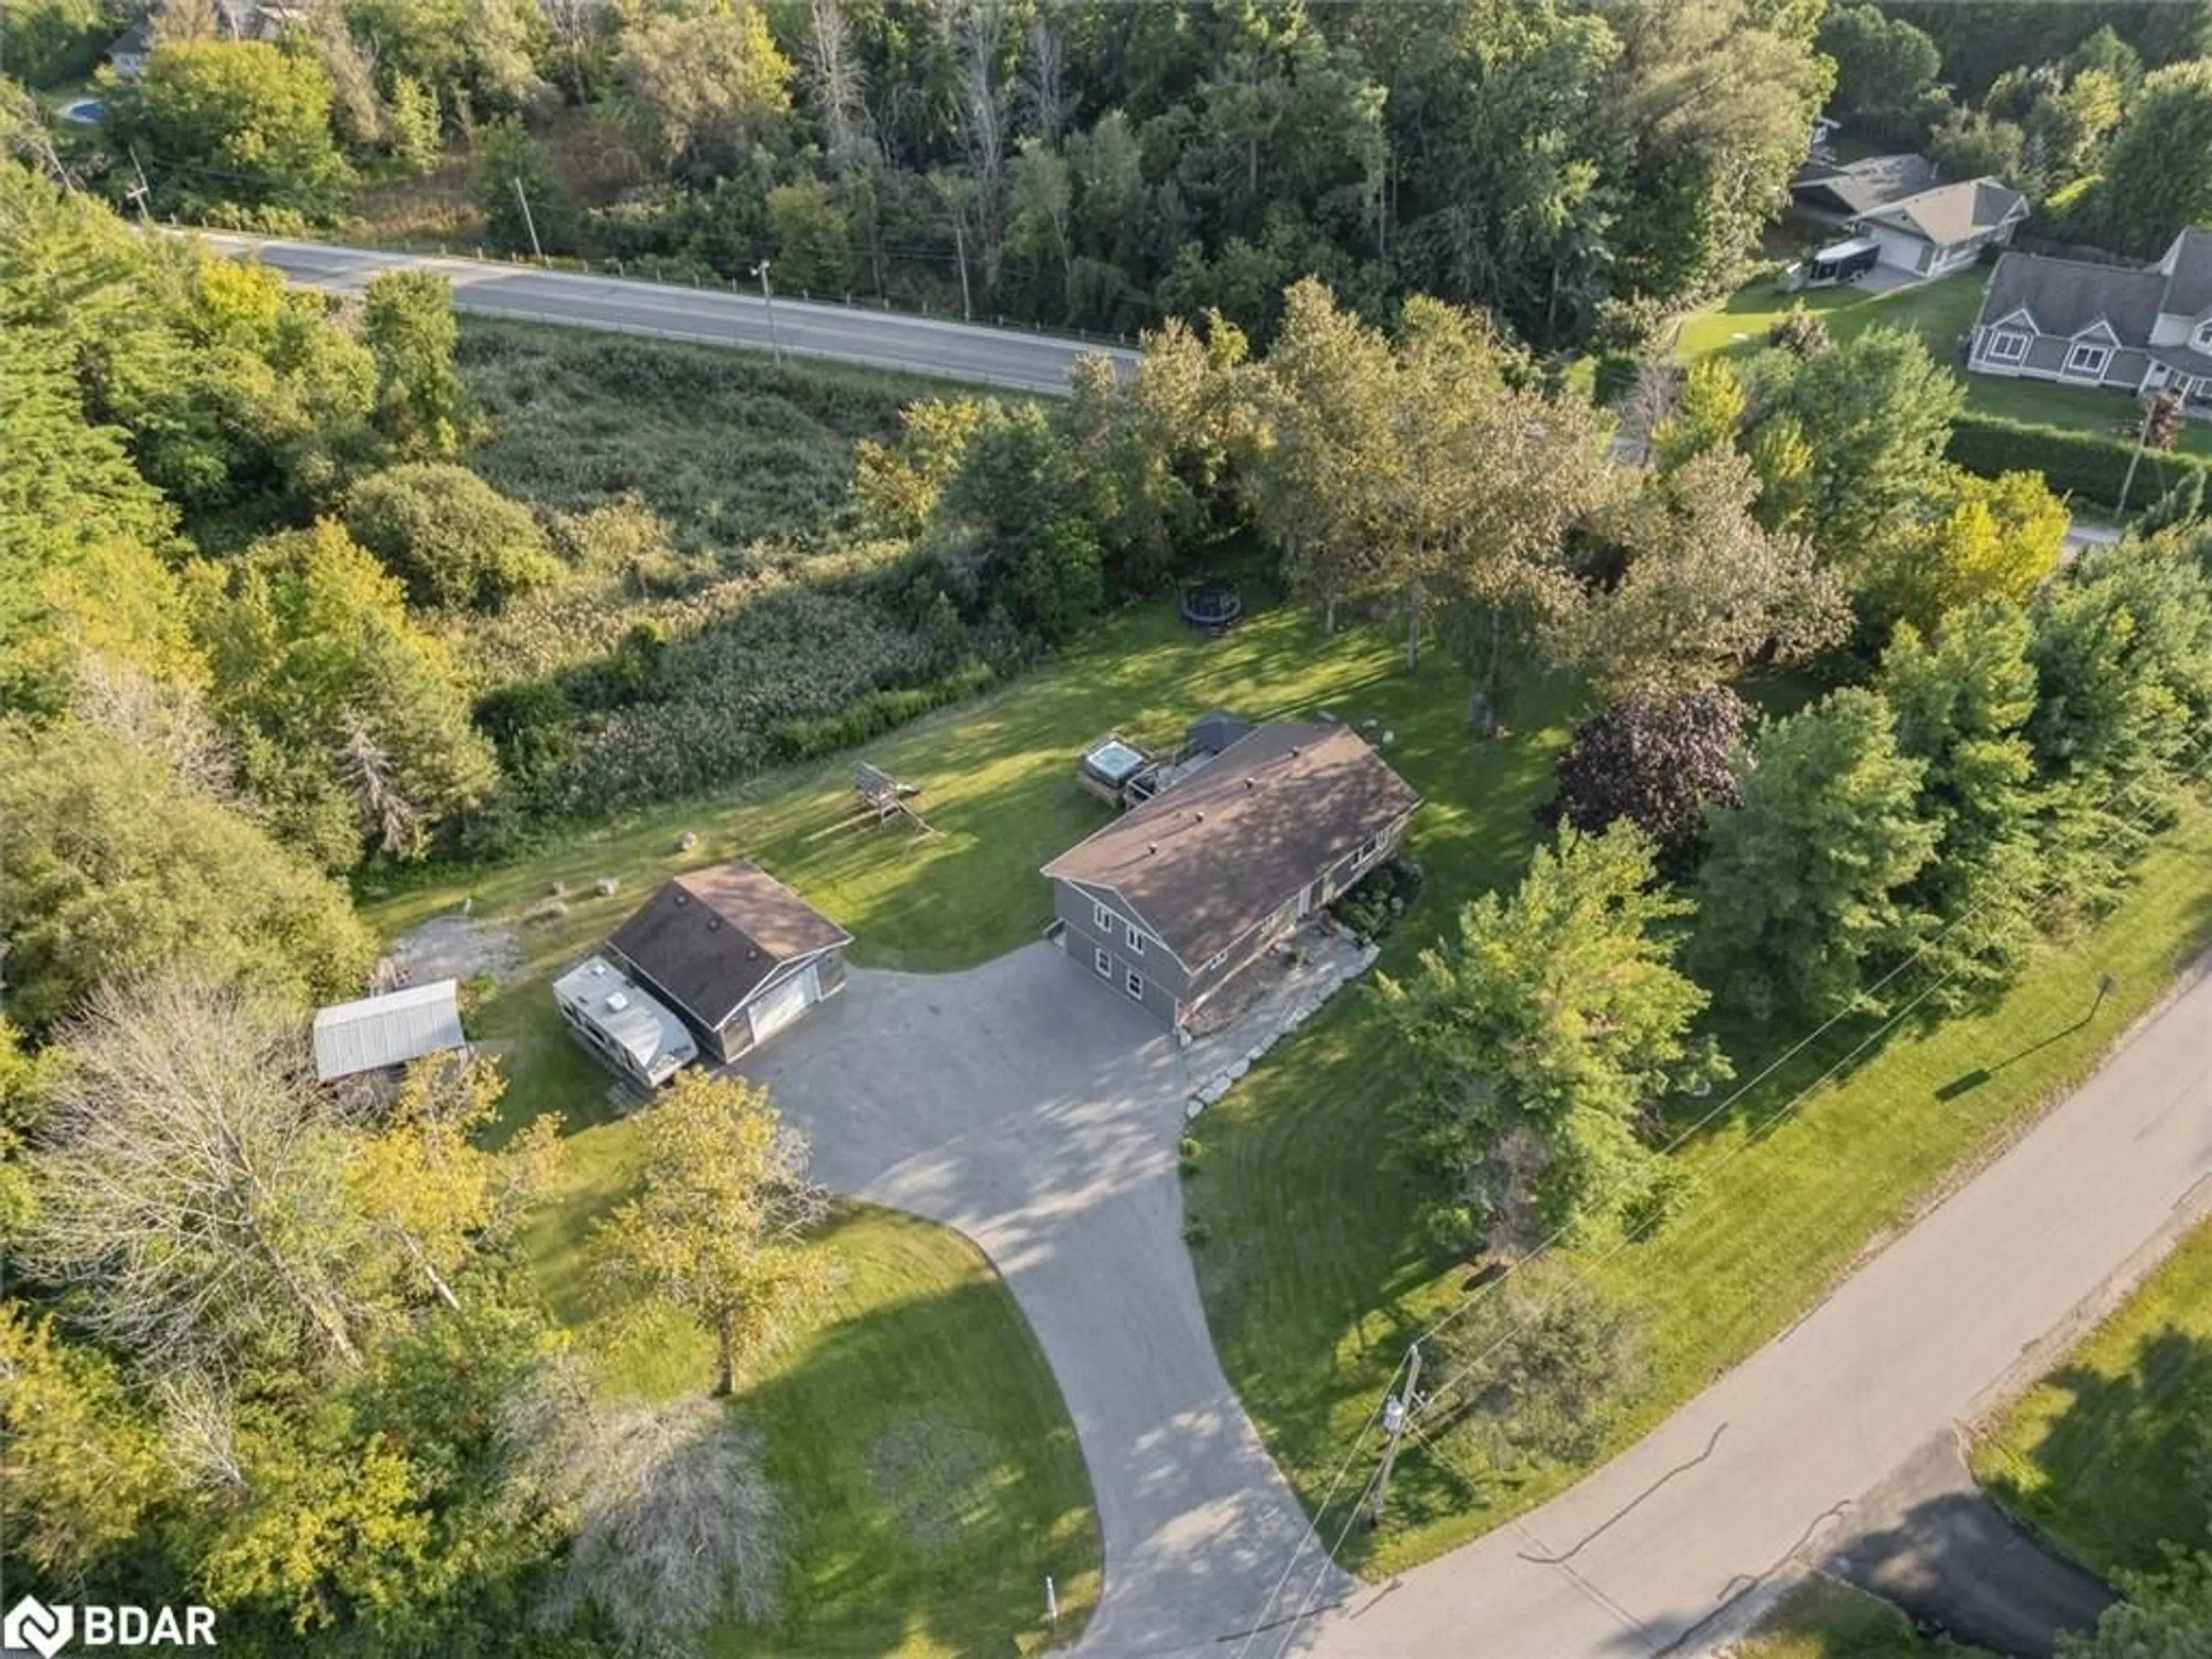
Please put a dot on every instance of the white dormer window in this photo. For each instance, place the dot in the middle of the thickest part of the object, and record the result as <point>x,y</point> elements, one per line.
<point>2006,346</point>
<point>2088,359</point>
<point>2201,340</point>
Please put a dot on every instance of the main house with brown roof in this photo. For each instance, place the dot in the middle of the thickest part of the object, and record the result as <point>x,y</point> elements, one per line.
<point>735,954</point>
<point>1174,898</point>
<point>1920,225</point>
<point>2130,327</point>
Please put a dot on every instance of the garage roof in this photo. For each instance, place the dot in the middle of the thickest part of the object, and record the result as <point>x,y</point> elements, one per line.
<point>710,938</point>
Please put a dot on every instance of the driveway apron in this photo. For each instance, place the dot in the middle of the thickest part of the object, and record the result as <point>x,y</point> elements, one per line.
<point>1038,1113</point>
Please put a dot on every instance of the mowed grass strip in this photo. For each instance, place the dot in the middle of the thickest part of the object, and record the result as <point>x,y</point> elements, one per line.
<point>1316,1278</point>
<point>1821,1619</point>
<point>927,1472</point>
<point>2105,1457</point>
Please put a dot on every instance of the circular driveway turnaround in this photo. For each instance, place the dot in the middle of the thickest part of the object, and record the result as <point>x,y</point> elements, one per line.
<point>1038,1113</point>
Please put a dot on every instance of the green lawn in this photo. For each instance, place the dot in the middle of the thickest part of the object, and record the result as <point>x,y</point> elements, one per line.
<point>928,1474</point>
<point>1942,312</point>
<point>1938,312</point>
<point>2107,1455</point>
<point>931,1473</point>
<point>1822,1618</point>
<point>1315,1279</point>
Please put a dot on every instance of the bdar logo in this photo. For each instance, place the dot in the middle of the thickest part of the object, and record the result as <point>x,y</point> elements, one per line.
<point>32,1624</point>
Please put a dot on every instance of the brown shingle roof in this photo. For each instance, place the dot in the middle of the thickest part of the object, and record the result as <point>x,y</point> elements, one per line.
<point>1204,863</point>
<point>709,938</point>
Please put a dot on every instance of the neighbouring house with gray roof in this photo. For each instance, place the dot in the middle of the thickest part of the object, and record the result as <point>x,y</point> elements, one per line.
<point>737,954</point>
<point>1175,897</point>
<point>623,1022</point>
<point>1922,226</point>
<point>383,1033</point>
<point>2133,328</point>
<point>233,20</point>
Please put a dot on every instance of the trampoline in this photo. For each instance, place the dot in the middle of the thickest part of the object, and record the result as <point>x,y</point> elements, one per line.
<point>1211,605</point>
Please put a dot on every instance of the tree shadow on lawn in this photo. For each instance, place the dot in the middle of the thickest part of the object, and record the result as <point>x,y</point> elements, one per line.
<point>930,1479</point>
<point>2126,1465</point>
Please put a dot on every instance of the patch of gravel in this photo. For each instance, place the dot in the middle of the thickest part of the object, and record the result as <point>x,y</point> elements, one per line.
<point>452,947</point>
<point>928,1471</point>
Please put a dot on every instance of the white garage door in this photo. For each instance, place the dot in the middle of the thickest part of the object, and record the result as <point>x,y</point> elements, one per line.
<point>784,1003</point>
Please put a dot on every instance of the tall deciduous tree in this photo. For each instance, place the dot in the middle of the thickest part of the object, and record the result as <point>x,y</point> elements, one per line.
<point>1875,413</point>
<point>1810,872</point>
<point>189,1182</point>
<point>704,84</point>
<point>1983,539</point>
<point>110,866</point>
<point>1695,589</point>
<point>715,1230</point>
<point>231,121</point>
<point>1545,1032</point>
<point>356,732</point>
<point>408,324</point>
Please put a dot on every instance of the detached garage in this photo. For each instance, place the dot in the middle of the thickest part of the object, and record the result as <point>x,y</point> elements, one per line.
<point>737,954</point>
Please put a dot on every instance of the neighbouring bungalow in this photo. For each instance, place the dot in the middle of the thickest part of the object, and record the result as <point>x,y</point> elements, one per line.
<point>1920,225</point>
<point>2133,328</point>
<point>737,954</point>
<point>1174,898</point>
<point>232,19</point>
<point>623,1022</point>
<point>378,1035</point>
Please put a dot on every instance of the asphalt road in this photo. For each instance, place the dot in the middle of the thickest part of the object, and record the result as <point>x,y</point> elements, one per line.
<point>916,345</point>
<point>1934,1543</point>
<point>1767,1470</point>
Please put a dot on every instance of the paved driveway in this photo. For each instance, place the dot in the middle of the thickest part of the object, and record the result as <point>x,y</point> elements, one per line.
<point>1038,1113</point>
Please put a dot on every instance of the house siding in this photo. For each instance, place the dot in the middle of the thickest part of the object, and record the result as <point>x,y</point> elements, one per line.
<point>1173,992</point>
<point>1164,977</point>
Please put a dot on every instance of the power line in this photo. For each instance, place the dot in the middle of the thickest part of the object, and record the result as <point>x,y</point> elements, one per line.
<point>1759,1133</point>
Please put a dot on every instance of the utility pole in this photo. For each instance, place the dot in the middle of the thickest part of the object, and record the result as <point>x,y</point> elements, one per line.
<point>767,298</point>
<point>1397,1411</point>
<point>140,191</point>
<point>960,247</point>
<point>528,223</point>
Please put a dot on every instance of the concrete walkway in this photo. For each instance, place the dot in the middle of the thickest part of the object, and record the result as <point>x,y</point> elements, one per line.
<point>1769,1469</point>
<point>1038,1113</point>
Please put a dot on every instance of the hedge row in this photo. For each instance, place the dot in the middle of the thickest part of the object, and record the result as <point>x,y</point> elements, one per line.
<point>874,714</point>
<point>2082,464</point>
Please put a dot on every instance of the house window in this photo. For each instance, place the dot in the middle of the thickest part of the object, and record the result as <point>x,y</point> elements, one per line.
<point>1370,848</point>
<point>1105,963</point>
<point>2201,340</point>
<point>2088,359</point>
<point>1219,959</point>
<point>1134,985</point>
<point>2005,347</point>
<point>1102,920</point>
<point>1136,939</point>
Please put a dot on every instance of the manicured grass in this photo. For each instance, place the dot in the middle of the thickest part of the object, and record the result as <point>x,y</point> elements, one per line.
<point>2107,1455</point>
<point>1938,312</point>
<point>928,1474</point>
<point>1822,1618</point>
<point>1942,312</point>
<point>1315,1278</point>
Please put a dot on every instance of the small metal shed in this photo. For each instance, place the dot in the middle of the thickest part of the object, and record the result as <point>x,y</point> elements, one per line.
<point>378,1033</point>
